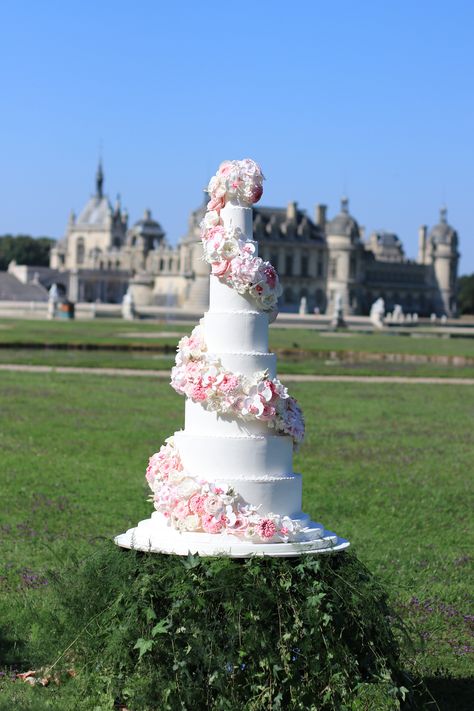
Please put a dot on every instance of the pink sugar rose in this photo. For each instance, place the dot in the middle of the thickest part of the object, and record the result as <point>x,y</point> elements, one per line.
<point>215,234</point>
<point>211,524</point>
<point>181,510</point>
<point>213,504</point>
<point>216,203</point>
<point>196,503</point>
<point>225,168</point>
<point>220,268</point>
<point>266,528</point>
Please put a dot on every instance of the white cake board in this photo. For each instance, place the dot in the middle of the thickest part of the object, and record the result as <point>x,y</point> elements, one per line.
<point>151,536</point>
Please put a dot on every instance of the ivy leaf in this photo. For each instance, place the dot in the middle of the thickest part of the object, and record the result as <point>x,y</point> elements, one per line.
<point>150,614</point>
<point>144,646</point>
<point>161,627</point>
<point>192,561</point>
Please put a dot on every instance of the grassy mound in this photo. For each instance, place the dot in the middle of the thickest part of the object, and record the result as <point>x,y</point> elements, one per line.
<point>164,632</point>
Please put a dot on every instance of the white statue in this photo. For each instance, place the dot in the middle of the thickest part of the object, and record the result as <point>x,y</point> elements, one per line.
<point>433,318</point>
<point>398,313</point>
<point>303,306</point>
<point>444,320</point>
<point>338,314</point>
<point>128,306</point>
<point>53,298</point>
<point>377,313</point>
<point>415,317</point>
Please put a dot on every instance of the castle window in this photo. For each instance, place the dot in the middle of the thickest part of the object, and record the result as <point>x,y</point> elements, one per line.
<point>289,296</point>
<point>162,264</point>
<point>289,265</point>
<point>319,268</point>
<point>304,266</point>
<point>274,259</point>
<point>333,267</point>
<point>80,250</point>
<point>352,268</point>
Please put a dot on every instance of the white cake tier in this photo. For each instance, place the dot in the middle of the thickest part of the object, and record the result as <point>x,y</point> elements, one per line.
<point>236,216</point>
<point>248,363</point>
<point>223,297</point>
<point>236,332</point>
<point>155,535</point>
<point>281,495</point>
<point>200,421</point>
<point>246,457</point>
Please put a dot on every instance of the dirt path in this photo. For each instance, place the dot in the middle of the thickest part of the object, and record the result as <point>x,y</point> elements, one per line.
<point>286,377</point>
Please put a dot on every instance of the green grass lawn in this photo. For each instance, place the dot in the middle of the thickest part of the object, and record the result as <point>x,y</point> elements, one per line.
<point>388,466</point>
<point>111,332</point>
<point>145,345</point>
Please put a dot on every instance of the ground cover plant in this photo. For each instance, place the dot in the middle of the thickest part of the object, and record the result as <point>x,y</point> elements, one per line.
<point>385,465</point>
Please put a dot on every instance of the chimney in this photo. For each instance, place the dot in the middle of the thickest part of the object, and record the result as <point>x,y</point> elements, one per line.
<point>320,215</point>
<point>422,244</point>
<point>291,210</point>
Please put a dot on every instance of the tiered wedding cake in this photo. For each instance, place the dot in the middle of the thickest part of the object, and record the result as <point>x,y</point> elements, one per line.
<point>225,484</point>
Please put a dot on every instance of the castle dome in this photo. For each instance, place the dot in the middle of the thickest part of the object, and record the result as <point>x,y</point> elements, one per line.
<point>343,225</point>
<point>443,233</point>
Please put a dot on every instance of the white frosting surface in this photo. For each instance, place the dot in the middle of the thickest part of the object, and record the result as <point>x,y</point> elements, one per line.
<point>236,332</point>
<point>223,297</point>
<point>248,363</point>
<point>236,216</point>
<point>246,457</point>
<point>199,421</point>
<point>281,495</point>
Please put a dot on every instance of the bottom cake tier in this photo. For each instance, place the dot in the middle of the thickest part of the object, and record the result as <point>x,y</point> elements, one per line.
<point>155,535</point>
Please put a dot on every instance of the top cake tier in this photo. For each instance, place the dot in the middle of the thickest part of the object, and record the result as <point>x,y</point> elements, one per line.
<point>222,297</point>
<point>238,216</point>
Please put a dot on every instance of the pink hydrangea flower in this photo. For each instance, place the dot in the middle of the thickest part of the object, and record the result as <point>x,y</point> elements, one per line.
<point>266,528</point>
<point>181,510</point>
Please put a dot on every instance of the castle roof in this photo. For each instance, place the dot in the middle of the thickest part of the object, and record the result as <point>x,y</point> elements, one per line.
<point>98,209</point>
<point>343,224</point>
<point>442,233</point>
<point>95,212</point>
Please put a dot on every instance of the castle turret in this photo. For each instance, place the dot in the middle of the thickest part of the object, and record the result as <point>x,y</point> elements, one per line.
<point>343,240</point>
<point>422,251</point>
<point>443,243</point>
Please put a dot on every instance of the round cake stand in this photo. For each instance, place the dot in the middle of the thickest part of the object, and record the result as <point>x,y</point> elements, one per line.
<point>154,536</point>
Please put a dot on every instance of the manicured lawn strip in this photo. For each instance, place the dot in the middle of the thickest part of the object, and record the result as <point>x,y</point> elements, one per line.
<point>162,361</point>
<point>304,339</point>
<point>94,332</point>
<point>112,333</point>
<point>387,466</point>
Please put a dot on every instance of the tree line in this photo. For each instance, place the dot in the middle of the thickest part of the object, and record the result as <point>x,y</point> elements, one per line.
<point>24,249</point>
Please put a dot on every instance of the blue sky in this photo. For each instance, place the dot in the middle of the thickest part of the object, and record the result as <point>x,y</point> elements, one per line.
<point>375,99</point>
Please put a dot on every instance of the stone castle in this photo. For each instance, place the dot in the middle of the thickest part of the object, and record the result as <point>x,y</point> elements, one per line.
<point>319,259</point>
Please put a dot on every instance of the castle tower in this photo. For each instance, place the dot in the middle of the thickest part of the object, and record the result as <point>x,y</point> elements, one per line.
<point>343,241</point>
<point>193,267</point>
<point>443,245</point>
